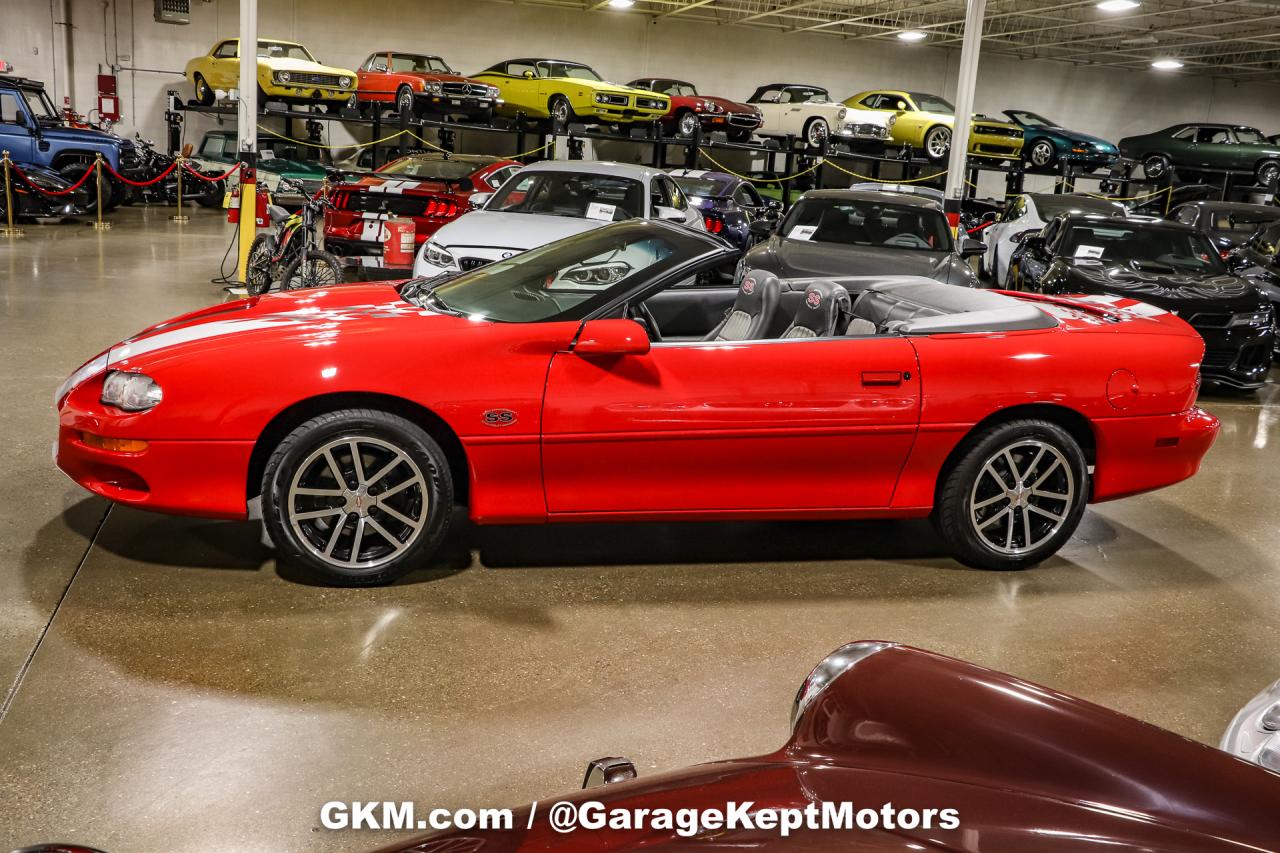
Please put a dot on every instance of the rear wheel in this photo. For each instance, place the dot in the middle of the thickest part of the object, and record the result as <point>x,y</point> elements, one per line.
<point>317,269</point>
<point>258,269</point>
<point>357,497</point>
<point>204,92</point>
<point>1015,495</point>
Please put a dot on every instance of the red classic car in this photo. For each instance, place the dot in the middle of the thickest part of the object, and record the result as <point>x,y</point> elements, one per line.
<point>425,84</point>
<point>689,109</point>
<point>598,378</point>
<point>432,189</point>
<point>895,749</point>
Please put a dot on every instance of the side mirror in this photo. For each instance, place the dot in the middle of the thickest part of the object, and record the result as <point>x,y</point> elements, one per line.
<point>900,106</point>
<point>1033,242</point>
<point>611,337</point>
<point>668,213</point>
<point>990,216</point>
<point>970,247</point>
<point>606,771</point>
<point>761,228</point>
<point>773,204</point>
<point>528,75</point>
<point>479,200</point>
<point>20,118</point>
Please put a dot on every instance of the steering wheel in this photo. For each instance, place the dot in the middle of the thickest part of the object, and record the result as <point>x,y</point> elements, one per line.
<point>641,313</point>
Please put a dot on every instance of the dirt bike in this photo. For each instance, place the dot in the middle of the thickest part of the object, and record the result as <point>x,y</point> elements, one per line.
<point>292,246</point>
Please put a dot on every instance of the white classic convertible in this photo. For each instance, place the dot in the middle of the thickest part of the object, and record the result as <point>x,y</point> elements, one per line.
<point>808,113</point>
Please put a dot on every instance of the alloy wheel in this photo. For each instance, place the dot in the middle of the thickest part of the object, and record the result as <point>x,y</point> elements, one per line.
<point>1022,497</point>
<point>1268,174</point>
<point>1155,166</point>
<point>688,124</point>
<point>1041,153</point>
<point>404,101</point>
<point>938,143</point>
<point>358,502</point>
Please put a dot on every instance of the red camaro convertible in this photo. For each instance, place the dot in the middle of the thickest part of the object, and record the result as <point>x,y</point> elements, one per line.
<point>596,379</point>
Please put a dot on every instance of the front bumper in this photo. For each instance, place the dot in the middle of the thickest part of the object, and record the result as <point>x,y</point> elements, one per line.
<point>1237,358</point>
<point>465,105</point>
<point>308,94</point>
<point>1139,454</point>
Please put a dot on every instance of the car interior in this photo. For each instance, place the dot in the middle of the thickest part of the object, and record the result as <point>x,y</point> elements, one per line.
<point>764,307</point>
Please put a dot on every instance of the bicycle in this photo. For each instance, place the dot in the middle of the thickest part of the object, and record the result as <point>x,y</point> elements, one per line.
<point>292,246</point>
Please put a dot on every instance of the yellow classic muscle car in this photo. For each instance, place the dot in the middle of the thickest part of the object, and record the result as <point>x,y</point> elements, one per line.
<point>567,91</point>
<point>286,72</point>
<point>926,121</point>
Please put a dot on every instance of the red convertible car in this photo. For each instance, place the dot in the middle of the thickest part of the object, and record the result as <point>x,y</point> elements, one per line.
<point>432,189</point>
<point>597,379</point>
<point>689,110</point>
<point>902,750</point>
<point>424,84</point>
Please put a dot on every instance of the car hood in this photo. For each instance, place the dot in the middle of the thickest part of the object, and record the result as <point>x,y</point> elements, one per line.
<point>431,76</point>
<point>803,259</point>
<point>286,64</point>
<point>1169,290</point>
<point>1075,136</point>
<point>728,105</point>
<point>520,231</point>
<point>83,136</point>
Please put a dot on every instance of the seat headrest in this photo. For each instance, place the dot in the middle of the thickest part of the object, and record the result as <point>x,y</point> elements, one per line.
<point>752,292</point>
<point>824,309</point>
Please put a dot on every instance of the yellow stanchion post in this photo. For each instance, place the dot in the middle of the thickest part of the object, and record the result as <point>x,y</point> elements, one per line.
<point>181,215</point>
<point>100,224</point>
<point>9,229</point>
<point>248,218</point>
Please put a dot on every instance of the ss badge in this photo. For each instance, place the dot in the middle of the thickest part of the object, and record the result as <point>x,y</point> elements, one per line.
<point>499,417</point>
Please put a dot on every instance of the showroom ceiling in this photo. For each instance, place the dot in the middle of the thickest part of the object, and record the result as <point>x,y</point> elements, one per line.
<point>1234,38</point>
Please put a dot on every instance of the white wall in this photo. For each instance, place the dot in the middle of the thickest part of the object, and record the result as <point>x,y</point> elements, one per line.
<point>471,34</point>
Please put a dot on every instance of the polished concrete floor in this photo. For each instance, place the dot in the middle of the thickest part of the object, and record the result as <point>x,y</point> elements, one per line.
<point>167,688</point>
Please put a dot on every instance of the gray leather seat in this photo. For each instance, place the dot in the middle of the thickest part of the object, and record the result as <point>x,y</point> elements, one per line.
<point>753,309</point>
<point>823,312</point>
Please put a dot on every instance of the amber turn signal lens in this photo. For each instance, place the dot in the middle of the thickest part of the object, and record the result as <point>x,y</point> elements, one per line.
<point>118,445</point>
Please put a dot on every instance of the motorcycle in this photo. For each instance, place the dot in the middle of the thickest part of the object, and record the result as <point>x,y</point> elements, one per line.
<point>153,163</point>
<point>292,246</point>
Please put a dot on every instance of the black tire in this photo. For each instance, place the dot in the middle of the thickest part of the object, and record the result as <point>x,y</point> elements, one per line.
<point>937,143</point>
<point>404,99</point>
<point>1155,166</point>
<point>392,450</point>
<point>1268,173</point>
<point>976,507</point>
<point>212,195</point>
<point>204,92</point>
<point>687,123</point>
<point>1040,154</point>
<point>112,192</point>
<point>561,112</point>
<point>258,271</point>
<point>815,131</point>
<point>321,269</point>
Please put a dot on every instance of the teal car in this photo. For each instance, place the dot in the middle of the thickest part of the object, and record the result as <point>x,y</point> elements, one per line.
<point>1204,147</point>
<point>277,159</point>
<point>1046,143</point>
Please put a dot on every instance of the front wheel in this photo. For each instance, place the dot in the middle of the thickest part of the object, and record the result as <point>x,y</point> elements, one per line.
<point>357,497</point>
<point>316,269</point>
<point>937,143</point>
<point>561,112</point>
<point>1040,154</point>
<point>212,195</point>
<point>687,124</point>
<point>404,100</point>
<point>1155,167</point>
<point>1268,173</point>
<point>815,132</point>
<point>1015,495</point>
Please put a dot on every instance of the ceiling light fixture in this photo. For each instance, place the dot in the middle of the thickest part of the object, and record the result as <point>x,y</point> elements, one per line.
<point>621,4</point>
<point>1118,5</point>
<point>1166,64</point>
<point>913,35</point>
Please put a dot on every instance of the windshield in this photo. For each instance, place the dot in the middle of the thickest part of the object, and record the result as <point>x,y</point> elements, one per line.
<point>280,50</point>
<point>1030,119</point>
<point>867,223</point>
<point>676,88</point>
<point>284,153</point>
<point>1141,248</point>
<point>796,94</point>
<point>1250,136</point>
<point>549,193</point>
<point>40,105</point>
<point>566,69</point>
<point>931,103</point>
<point>433,166</point>
<point>702,187</point>
<point>567,279</point>
<point>1244,221</point>
<point>409,62</point>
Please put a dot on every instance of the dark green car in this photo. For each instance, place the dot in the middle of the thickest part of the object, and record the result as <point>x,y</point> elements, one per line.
<point>1205,147</point>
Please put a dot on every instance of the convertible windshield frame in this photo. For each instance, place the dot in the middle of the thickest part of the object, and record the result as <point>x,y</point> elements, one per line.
<point>530,276</point>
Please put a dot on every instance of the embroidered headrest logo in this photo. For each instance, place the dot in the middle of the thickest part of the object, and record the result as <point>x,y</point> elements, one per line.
<point>749,285</point>
<point>813,298</point>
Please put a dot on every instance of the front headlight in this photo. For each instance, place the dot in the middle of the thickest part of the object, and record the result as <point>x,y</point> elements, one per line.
<point>1254,734</point>
<point>494,91</point>
<point>893,120</point>
<point>1265,317</point>
<point>282,76</point>
<point>435,88</point>
<point>344,82</point>
<point>133,392</point>
<point>607,273</point>
<point>832,667</point>
<point>437,255</point>
<point>840,115</point>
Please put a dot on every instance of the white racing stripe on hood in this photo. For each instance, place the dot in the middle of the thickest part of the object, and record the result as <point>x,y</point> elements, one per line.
<point>87,371</point>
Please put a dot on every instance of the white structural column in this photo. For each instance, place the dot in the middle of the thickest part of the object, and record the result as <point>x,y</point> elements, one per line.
<point>969,51</point>
<point>247,130</point>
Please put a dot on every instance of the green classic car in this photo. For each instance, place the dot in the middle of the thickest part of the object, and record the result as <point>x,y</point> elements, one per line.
<point>568,91</point>
<point>277,158</point>
<point>1202,146</point>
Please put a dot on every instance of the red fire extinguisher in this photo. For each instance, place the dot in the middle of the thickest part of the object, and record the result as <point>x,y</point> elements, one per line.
<point>397,248</point>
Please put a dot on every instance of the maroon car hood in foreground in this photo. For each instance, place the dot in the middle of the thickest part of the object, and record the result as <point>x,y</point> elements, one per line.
<point>1029,770</point>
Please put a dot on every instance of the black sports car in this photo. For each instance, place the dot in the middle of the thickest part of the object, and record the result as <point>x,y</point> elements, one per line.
<point>1167,265</point>
<point>1227,223</point>
<point>31,199</point>
<point>729,205</point>
<point>858,232</point>
<point>1259,260</point>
